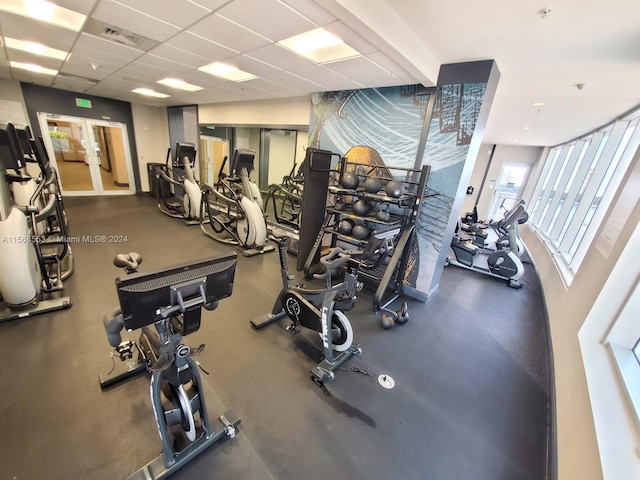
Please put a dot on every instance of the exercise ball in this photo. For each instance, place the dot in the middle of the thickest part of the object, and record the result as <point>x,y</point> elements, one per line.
<point>360,208</point>
<point>345,226</point>
<point>372,185</point>
<point>350,180</point>
<point>394,188</point>
<point>360,232</point>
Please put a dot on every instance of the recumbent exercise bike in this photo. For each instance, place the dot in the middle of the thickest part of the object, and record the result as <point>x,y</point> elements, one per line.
<point>167,305</point>
<point>320,310</point>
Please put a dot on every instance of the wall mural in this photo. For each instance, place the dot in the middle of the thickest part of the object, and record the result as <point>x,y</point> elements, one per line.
<point>390,121</point>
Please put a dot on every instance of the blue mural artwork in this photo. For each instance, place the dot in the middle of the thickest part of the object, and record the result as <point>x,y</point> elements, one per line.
<point>390,120</point>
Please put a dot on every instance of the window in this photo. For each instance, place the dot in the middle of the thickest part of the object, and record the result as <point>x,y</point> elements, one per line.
<point>576,186</point>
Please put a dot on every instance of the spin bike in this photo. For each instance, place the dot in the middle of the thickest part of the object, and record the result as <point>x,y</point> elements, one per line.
<point>32,265</point>
<point>504,263</point>
<point>320,310</point>
<point>232,214</point>
<point>186,208</point>
<point>167,305</point>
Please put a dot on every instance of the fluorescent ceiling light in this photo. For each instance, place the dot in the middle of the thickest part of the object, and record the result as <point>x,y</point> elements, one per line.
<point>32,67</point>
<point>149,93</point>
<point>228,72</point>
<point>320,46</point>
<point>538,104</point>
<point>45,12</point>
<point>182,85</point>
<point>35,48</point>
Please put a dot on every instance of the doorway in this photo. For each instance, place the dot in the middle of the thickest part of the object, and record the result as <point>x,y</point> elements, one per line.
<point>508,189</point>
<point>91,156</point>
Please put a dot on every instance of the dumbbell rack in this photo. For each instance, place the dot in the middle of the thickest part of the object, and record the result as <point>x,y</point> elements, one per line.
<point>387,278</point>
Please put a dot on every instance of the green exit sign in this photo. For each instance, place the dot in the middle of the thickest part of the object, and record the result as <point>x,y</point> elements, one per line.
<point>83,102</point>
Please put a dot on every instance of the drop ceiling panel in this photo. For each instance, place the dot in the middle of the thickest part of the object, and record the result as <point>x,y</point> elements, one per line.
<point>351,37</point>
<point>180,13</point>
<point>179,56</point>
<point>275,88</point>
<point>250,65</point>
<point>312,11</point>
<point>161,64</point>
<point>132,21</point>
<point>279,57</point>
<point>81,66</point>
<point>325,78</point>
<point>228,34</point>
<point>142,74</point>
<point>286,79</point>
<point>80,6</point>
<point>269,18</point>
<point>388,64</point>
<point>107,91</point>
<point>358,69</point>
<point>73,84</point>
<point>106,47</point>
<point>212,5</point>
<point>29,77</point>
<point>191,42</point>
<point>22,28</point>
<point>26,57</point>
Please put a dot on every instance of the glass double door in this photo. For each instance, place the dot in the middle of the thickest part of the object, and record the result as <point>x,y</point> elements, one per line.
<point>92,157</point>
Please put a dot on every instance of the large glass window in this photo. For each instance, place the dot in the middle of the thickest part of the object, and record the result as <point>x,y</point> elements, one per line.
<point>576,187</point>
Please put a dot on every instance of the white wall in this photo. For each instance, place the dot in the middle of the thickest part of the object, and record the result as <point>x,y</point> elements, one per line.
<point>502,154</point>
<point>579,455</point>
<point>282,151</point>
<point>266,113</point>
<point>151,130</point>
<point>12,107</point>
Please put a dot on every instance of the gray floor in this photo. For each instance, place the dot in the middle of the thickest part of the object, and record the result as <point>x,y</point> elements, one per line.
<point>470,402</point>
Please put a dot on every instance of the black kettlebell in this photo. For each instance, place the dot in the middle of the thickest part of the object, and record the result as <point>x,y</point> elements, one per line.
<point>360,232</point>
<point>350,181</point>
<point>394,188</point>
<point>339,202</point>
<point>345,226</point>
<point>360,208</point>
<point>372,185</point>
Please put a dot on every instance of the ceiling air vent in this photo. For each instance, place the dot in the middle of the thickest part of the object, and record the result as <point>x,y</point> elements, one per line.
<point>121,36</point>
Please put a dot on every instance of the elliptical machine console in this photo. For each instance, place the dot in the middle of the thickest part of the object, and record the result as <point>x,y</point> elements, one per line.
<point>167,305</point>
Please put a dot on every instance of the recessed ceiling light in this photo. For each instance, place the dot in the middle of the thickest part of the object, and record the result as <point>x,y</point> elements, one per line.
<point>35,48</point>
<point>182,85</point>
<point>538,104</point>
<point>228,72</point>
<point>32,67</point>
<point>149,93</point>
<point>320,46</point>
<point>46,12</point>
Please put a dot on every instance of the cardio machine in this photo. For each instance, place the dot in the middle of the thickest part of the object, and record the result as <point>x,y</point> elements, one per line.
<point>188,206</point>
<point>503,263</point>
<point>32,265</point>
<point>167,305</point>
<point>320,310</point>
<point>232,214</point>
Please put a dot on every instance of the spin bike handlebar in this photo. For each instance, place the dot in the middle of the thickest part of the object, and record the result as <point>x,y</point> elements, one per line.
<point>332,260</point>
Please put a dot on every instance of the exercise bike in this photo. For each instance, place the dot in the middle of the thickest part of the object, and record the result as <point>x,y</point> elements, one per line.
<point>32,265</point>
<point>320,310</point>
<point>186,208</point>
<point>232,214</point>
<point>503,263</point>
<point>167,305</point>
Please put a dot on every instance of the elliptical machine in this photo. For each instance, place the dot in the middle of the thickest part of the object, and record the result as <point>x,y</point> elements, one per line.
<point>503,263</point>
<point>32,265</point>
<point>167,305</point>
<point>320,310</point>
<point>232,214</point>
<point>186,208</point>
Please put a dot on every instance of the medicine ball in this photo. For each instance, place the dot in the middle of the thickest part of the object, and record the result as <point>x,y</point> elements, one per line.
<point>372,185</point>
<point>350,180</point>
<point>394,189</point>
<point>345,226</point>
<point>360,208</point>
<point>360,232</point>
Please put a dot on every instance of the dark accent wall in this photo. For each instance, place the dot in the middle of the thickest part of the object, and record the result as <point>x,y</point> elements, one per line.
<point>62,102</point>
